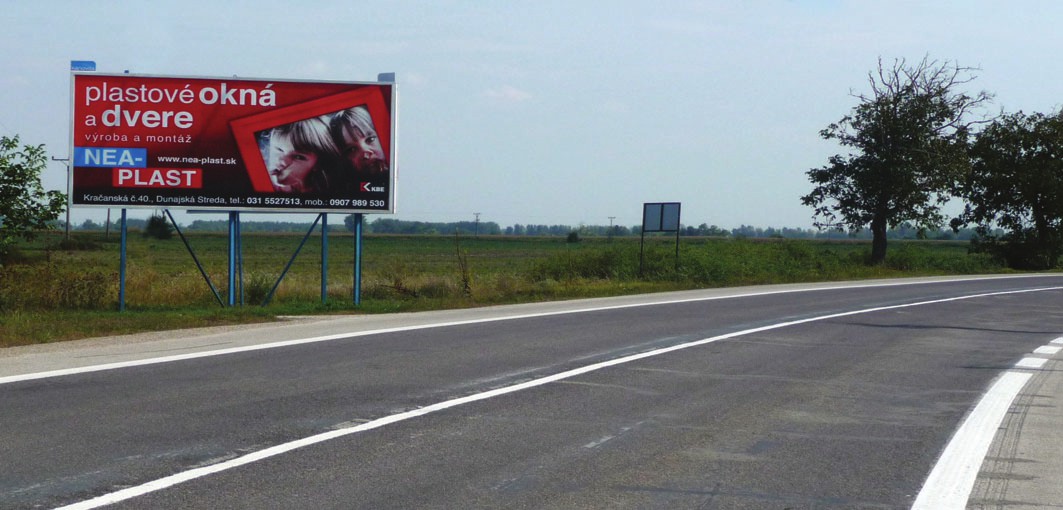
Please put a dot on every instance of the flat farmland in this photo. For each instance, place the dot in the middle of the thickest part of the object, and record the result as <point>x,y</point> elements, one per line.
<point>58,289</point>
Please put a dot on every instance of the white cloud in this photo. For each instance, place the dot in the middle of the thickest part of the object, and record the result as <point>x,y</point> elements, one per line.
<point>508,93</point>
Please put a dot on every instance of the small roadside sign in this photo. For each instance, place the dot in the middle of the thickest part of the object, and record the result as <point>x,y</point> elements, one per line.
<point>82,65</point>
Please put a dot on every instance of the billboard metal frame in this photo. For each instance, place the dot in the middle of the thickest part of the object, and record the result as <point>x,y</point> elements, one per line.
<point>109,149</point>
<point>235,292</point>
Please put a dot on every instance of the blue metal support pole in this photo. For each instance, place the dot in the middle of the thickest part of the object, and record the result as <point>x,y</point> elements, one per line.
<point>324,258</point>
<point>195,259</point>
<point>269,297</point>
<point>121,265</point>
<point>357,259</point>
<point>232,258</point>
<point>240,257</point>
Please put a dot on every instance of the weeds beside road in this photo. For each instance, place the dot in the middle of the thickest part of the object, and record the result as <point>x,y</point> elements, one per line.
<point>58,289</point>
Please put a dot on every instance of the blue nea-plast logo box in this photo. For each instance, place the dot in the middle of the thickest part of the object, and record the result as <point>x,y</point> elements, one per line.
<point>110,157</point>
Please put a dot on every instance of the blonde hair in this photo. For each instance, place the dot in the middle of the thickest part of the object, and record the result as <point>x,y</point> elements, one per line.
<point>310,135</point>
<point>352,120</point>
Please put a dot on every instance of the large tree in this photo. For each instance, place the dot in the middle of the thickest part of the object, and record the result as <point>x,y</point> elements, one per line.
<point>24,205</point>
<point>1016,184</point>
<point>908,141</point>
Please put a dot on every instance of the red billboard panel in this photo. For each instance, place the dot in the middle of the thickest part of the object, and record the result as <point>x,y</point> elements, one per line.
<point>232,144</point>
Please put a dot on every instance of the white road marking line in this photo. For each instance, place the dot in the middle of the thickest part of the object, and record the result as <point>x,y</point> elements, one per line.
<point>1058,341</point>
<point>1032,363</point>
<point>594,444</point>
<point>192,474</point>
<point>340,336</point>
<point>950,482</point>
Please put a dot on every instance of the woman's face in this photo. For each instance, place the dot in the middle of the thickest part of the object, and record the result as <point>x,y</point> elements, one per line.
<point>288,166</point>
<point>362,150</point>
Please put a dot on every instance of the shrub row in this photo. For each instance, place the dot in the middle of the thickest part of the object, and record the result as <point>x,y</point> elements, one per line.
<point>50,287</point>
<point>579,269</point>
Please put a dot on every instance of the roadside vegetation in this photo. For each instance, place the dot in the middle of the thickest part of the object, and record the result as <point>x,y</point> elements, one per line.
<point>54,288</point>
<point>913,142</point>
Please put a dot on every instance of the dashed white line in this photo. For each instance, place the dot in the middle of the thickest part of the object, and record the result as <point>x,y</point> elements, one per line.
<point>1033,363</point>
<point>594,444</point>
<point>192,474</point>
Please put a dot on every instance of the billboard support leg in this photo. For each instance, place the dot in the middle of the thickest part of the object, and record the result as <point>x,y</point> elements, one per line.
<point>358,259</point>
<point>121,265</point>
<point>240,257</point>
<point>195,259</point>
<point>324,258</point>
<point>233,219</point>
<point>269,297</point>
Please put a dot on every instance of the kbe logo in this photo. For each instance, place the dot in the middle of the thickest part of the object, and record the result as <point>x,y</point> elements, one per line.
<point>368,187</point>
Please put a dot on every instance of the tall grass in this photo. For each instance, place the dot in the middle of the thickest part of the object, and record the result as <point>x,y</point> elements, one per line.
<point>717,263</point>
<point>79,278</point>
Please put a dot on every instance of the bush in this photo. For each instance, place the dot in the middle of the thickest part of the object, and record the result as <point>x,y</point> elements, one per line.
<point>590,263</point>
<point>922,258</point>
<point>1022,250</point>
<point>257,286</point>
<point>158,227</point>
<point>12,255</point>
<point>76,243</point>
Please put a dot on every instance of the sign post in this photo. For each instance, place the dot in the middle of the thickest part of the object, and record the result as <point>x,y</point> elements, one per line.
<point>659,217</point>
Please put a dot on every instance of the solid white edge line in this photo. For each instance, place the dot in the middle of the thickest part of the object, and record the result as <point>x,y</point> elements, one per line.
<point>950,482</point>
<point>192,474</point>
<point>339,336</point>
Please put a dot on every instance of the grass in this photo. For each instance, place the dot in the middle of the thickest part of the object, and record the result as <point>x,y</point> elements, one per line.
<point>59,289</point>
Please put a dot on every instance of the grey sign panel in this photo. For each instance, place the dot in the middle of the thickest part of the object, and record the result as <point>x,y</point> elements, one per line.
<point>670,217</point>
<point>660,217</point>
<point>651,217</point>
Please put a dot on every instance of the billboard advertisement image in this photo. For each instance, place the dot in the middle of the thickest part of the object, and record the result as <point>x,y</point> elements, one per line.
<point>232,144</point>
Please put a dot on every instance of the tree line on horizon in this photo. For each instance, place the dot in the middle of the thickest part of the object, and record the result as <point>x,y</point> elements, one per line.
<point>490,228</point>
<point>915,142</point>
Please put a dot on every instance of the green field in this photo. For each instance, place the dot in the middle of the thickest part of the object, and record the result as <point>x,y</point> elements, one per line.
<point>55,290</point>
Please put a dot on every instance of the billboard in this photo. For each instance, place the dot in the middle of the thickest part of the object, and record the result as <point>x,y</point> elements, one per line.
<point>232,144</point>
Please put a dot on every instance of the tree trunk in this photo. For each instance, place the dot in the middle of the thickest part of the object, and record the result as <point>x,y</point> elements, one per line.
<point>878,240</point>
<point>1046,245</point>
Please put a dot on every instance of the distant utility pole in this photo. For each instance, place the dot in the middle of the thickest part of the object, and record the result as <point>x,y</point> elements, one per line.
<point>610,234</point>
<point>67,161</point>
<point>476,225</point>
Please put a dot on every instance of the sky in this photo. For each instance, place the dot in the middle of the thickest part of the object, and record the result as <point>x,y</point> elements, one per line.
<point>552,111</point>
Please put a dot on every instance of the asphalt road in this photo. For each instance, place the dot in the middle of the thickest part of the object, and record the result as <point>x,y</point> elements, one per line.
<point>792,411</point>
